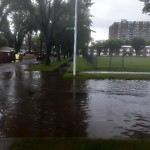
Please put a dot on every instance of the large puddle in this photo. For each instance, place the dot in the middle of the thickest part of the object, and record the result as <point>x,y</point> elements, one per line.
<point>118,109</point>
<point>46,105</point>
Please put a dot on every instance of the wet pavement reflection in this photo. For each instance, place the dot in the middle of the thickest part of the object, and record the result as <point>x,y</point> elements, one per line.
<point>43,104</point>
<point>40,104</point>
<point>119,109</point>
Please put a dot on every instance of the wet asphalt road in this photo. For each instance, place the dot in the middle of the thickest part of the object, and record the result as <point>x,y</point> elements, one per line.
<point>35,104</point>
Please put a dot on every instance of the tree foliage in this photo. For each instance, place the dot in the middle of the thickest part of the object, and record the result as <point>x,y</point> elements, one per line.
<point>138,44</point>
<point>23,24</point>
<point>113,45</point>
<point>99,46</point>
<point>3,41</point>
<point>51,18</point>
<point>146,8</point>
<point>5,30</point>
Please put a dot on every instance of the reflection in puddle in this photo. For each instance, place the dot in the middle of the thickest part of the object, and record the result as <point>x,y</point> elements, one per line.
<point>119,109</point>
<point>42,104</point>
<point>7,75</point>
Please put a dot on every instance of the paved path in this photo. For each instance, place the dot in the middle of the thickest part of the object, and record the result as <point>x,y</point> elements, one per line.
<point>113,72</point>
<point>7,143</point>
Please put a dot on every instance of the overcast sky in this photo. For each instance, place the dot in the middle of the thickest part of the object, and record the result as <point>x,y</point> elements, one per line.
<point>106,12</point>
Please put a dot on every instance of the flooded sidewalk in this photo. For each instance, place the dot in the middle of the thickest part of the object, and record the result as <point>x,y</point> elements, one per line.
<point>7,143</point>
<point>114,72</point>
<point>44,104</point>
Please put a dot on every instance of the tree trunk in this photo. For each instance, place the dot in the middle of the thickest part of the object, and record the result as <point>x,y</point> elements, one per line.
<point>137,52</point>
<point>41,45</point>
<point>18,44</point>
<point>64,51</point>
<point>58,53</point>
<point>48,50</point>
<point>29,41</point>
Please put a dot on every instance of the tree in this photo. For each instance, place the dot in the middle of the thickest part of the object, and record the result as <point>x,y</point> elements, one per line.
<point>114,45</point>
<point>21,19</point>
<point>5,30</point>
<point>22,25</point>
<point>3,41</point>
<point>84,23</point>
<point>138,44</point>
<point>51,18</point>
<point>147,43</point>
<point>99,46</point>
<point>45,14</point>
<point>146,8</point>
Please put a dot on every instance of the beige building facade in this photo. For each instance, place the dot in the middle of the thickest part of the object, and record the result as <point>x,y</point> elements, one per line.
<point>126,30</point>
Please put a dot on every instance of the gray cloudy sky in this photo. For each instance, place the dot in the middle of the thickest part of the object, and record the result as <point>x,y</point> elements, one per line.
<point>106,12</point>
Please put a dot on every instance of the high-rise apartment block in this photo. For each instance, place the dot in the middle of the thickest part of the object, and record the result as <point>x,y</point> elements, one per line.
<point>127,30</point>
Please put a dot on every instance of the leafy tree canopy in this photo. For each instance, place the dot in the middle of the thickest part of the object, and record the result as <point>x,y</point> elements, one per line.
<point>50,17</point>
<point>138,44</point>
<point>3,41</point>
<point>114,44</point>
<point>146,8</point>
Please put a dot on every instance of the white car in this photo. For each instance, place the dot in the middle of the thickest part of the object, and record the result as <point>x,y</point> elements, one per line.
<point>22,52</point>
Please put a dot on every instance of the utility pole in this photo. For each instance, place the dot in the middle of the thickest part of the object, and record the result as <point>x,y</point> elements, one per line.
<point>75,38</point>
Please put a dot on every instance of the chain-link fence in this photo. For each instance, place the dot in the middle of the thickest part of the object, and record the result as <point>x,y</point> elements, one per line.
<point>119,63</point>
<point>92,59</point>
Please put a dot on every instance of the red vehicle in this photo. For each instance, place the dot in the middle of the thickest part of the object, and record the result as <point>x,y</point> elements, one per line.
<point>40,57</point>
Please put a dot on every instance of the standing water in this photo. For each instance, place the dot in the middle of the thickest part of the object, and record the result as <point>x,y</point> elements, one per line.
<point>43,104</point>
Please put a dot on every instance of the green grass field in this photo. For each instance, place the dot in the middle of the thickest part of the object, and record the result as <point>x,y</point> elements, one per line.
<point>132,64</point>
<point>81,65</point>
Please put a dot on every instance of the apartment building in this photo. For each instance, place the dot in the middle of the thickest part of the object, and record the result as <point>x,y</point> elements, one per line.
<point>127,30</point>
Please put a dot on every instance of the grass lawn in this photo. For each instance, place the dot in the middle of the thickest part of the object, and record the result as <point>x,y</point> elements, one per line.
<point>81,65</point>
<point>131,64</point>
<point>53,66</point>
<point>109,76</point>
<point>81,144</point>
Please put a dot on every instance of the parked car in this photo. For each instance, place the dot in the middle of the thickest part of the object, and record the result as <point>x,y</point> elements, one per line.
<point>40,56</point>
<point>22,52</point>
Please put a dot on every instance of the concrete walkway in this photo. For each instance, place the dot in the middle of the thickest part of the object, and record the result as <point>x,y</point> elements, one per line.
<point>113,72</point>
<point>7,143</point>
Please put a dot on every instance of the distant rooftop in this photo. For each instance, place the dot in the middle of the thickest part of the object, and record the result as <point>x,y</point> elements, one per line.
<point>6,49</point>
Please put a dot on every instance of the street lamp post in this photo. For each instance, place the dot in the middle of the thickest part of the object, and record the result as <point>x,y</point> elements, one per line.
<point>75,39</point>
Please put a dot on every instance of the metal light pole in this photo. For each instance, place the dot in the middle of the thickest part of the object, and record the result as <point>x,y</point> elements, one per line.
<point>75,38</point>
